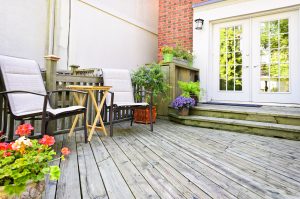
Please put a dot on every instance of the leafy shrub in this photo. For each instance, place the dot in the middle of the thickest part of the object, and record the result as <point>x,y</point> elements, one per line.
<point>151,78</point>
<point>189,88</point>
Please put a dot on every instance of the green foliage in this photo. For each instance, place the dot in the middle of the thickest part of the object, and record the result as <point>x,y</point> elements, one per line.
<point>182,53</point>
<point>178,52</point>
<point>23,166</point>
<point>151,78</point>
<point>54,172</point>
<point>167,50</point>
<point>189,88</point>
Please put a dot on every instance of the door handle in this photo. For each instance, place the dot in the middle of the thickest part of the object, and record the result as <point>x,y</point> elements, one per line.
<point>255,66</point>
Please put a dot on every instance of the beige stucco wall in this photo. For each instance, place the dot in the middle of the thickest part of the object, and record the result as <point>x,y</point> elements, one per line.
<point>23,28</point>
<point>102,37</point>
<point>118,34</point>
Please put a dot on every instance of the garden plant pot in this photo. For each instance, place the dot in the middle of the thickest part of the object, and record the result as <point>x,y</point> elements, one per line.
<point>183,111</point>
<point>33,191</point>
<point>168,57</point>
<point>195,97</point>
<point>142,115</point>
<point>180,61</point>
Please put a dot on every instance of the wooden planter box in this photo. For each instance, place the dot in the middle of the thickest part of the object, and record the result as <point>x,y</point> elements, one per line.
<point>142,115</point>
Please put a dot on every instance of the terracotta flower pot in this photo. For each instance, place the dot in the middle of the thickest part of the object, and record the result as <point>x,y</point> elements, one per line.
<point>142,115</point>
<point>33,191</point>
<point>183,111</point>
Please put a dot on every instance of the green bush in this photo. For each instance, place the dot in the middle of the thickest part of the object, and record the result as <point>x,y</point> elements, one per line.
<point>189,88</point>
<point>151,78</point>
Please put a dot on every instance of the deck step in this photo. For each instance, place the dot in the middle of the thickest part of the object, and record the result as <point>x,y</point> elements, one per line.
<point>243,126</point>
<point>268,114</point>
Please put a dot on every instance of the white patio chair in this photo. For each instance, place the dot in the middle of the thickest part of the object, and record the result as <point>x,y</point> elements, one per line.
<point>26,95</point>
<point>121,96</point>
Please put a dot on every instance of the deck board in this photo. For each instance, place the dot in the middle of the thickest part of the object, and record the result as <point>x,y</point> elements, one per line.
<point>176,161</point>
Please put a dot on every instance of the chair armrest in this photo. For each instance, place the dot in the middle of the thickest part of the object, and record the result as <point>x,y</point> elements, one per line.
<point>67,90</point>
<point>19,91</point>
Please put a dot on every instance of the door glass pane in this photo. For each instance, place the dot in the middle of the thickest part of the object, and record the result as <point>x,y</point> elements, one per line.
<point>274,56</point>
<point>230,77</point>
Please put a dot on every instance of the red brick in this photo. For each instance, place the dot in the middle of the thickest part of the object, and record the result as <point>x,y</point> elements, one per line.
<point>175,23</point>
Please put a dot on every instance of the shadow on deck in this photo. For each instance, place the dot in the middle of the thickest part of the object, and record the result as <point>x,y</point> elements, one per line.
<point>177,161</point>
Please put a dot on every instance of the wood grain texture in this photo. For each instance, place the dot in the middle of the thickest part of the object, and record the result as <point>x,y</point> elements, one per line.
<point>177,161</point>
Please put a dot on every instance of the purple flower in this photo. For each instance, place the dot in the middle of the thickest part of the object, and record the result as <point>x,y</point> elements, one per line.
<point>181,102</point>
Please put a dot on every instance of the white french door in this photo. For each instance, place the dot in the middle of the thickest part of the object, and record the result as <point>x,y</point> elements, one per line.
<point>275,58</point>
<point>231,61</point>
<point>257,60</point>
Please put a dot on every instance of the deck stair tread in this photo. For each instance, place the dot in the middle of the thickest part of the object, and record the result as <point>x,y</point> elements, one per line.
<point>247,123</point>
<point>292,112</point>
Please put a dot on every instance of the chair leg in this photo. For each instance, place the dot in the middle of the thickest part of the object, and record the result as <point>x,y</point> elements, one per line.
<point>46,127</point>
<point>151,122</point>
<point>43,130</point>
<point>132,117</point>
<point>111,116</point>
<point>85,127</point>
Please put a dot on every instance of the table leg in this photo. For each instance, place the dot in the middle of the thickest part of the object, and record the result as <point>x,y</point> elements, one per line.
<point>98,115</point>
<point>79,101</point>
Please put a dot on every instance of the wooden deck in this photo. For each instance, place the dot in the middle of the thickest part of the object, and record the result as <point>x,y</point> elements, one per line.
<point>177,161</point>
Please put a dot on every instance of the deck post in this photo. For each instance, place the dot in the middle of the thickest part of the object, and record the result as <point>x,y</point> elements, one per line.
<point>51,68</point>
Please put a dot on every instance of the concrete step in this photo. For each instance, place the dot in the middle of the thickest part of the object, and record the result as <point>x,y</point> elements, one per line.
<point>269,114</point>
<point>243,126</point>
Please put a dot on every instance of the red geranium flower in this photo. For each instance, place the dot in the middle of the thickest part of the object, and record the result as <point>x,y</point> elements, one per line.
<point>3,146</point>
<point>6,154</point>
<point>65,151</point>
<point>9,146</point>
<point>24,129</point>
<point>47,140</point>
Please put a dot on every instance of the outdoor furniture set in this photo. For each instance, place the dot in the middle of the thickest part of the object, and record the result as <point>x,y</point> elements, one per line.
<point>25,95</point>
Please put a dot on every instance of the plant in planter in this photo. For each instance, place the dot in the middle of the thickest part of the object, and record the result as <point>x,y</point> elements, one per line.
<point>150,78</point>
<point>24,164</point>
<point>183,56</point>
<point>167,52</point>
<point>183,104</point>
<point>190,89</point>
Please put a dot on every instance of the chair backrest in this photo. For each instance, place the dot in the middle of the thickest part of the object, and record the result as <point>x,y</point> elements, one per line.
<point>120,81</point>
<point>22,74</point>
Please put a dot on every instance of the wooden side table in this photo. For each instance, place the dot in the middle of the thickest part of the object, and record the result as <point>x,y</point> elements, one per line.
<point>90,89</point>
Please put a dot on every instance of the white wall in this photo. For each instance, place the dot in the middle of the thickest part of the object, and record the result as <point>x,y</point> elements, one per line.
<point>109,34</point>
<point>23,28</point>
<point>118,34</point>
<point>213,13</point>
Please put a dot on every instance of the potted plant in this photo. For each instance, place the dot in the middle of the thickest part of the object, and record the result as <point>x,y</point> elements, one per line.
<point>182,105</point>
<point>150,78</point>
<point>183,56</point>
<point>190,89</point>
<point>24,164</point>
<point>167,52</point>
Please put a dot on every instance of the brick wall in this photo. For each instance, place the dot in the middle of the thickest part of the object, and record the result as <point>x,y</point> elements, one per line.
<point>175,23</point>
